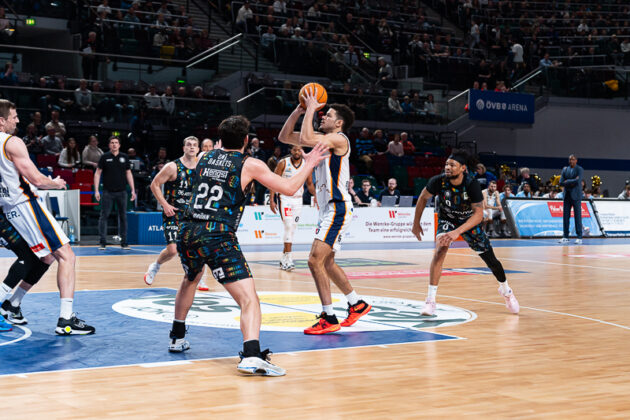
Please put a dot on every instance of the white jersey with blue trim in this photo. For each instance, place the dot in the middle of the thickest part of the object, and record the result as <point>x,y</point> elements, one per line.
<point>14,188</point>
<point>289,171</point>
<point>332,176</point>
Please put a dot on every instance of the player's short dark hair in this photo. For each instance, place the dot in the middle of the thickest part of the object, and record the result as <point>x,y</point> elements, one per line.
<point>492,181</point>
<point>233,130</point>
<point>113,138</point>
<point>345,114</point>
<point>5,108</point>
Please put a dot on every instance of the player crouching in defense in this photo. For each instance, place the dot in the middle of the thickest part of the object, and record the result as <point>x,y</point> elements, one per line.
<point>208,235</point>
<point>460,212</point>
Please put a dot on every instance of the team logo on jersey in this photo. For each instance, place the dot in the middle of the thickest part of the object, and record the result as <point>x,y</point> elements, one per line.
<point>121,159</point>
<point>293,311</point>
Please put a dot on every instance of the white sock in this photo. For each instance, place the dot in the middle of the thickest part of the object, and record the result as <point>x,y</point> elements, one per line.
<point>66,308</point>
<point>353,298</point>
<point>16,299</point>
<point>157,266</point>
<point>505,288</point>
<point>432,292</point>
<point>4,292</point>
<point>328,309</point>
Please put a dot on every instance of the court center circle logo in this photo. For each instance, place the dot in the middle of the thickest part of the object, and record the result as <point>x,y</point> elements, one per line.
<point>292,312</point>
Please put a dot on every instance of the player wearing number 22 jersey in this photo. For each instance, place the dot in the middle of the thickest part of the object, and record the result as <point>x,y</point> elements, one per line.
<point>208,235</point>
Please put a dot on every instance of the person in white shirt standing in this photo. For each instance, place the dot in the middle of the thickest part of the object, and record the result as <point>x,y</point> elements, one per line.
<point>492,208</point>
<point>290,206</point>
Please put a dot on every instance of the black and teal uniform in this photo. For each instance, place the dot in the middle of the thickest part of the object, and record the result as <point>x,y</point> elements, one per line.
<point>177,193</point>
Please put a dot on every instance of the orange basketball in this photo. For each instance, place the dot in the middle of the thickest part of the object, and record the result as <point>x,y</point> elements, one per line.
<point>322,95</point>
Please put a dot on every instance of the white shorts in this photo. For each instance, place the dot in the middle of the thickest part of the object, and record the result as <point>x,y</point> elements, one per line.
<point>490,214</point>
<point>290,211</point>
<point>334,220</point>
<point>37,226</point>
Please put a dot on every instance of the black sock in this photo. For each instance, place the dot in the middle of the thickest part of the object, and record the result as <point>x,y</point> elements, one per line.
<point>251,348</point>
<point>179,329</point>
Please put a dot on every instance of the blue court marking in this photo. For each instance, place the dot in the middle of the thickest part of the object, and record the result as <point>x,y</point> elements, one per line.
<point>113,250</point>
<point>121,340</point>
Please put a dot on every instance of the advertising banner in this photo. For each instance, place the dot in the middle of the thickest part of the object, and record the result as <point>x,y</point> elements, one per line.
<point>372,224</point>
<point>507,107</point>
<point>614,216</point>
<point>540,217</point>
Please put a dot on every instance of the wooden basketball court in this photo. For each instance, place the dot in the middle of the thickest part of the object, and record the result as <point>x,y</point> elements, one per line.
<point>564,356</point>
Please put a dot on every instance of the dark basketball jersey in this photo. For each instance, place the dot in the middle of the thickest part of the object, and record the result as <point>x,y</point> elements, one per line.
<point>455,202</point>
<point>217,194</point>
<point>178,192</point>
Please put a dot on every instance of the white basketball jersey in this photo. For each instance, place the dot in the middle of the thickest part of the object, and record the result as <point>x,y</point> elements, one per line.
<point>289,171</point>
<point>332,176</point>
<point>14,188</point>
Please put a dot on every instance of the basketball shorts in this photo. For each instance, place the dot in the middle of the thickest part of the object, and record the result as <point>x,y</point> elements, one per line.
<point>290,211</point>
<point>490,214</point>
<point>171,228</point>
<point>9,237</point>
<point>37,226</point>
<point>476,238</point>
<point>200,244</point>
<point>334,221</point>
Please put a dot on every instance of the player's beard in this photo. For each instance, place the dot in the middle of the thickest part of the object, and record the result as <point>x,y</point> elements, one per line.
<point>451,176</point>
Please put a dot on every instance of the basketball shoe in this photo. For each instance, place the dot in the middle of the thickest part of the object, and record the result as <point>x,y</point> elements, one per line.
<point>73,326</point>
<point>325,324</point>
<point>429,308</point>
<point>563,241</point>
<point>13,314</point>
<point>259,365</point>
<point>151,273</point>
<point>510,301</point>
<point>355,312</point>
<point>202,285</point>
<point>4,325</point>
<point>178,345</point>
<point>290,265</point>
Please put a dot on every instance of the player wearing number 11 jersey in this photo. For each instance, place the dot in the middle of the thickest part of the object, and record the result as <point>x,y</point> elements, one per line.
<point>176,177</point>
<point>208,235</point>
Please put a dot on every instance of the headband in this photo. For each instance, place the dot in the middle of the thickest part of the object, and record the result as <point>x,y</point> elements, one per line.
<point>459,158</point>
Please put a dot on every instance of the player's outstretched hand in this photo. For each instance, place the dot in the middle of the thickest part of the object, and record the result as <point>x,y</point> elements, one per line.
<point>310,99</point>
<point>319,153</point>
<point>299,110</point>
<point>417,231</point>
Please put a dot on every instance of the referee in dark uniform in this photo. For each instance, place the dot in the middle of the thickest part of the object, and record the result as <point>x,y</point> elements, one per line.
<point>116,171</point>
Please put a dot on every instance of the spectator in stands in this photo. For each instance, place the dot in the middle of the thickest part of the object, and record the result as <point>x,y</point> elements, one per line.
<point>287,98</point>
<point>124,107</point>
<point>429,106</point>
<point>91,153</point>
<point>64,100</point>
<point>70,157</point>
<point>152,100</point>
<point>391,190</point>
<point>365,148</point>
<point>255,151</point>
<point>33,141</point>
<point>625,49</point>
<point>273,160</point>
<point>395,147</point>
<point>408,146</point>
<point>52,144</point>
<point>527,178</point>
<point>625,194</point>
<point>545,61</point>
<point>8,76</point>
<point>379,142</point>
<point>526,190</point>
<point>89,62</point>
<point>517,54</point>
<point>159,162</point>
<point>36,120</point>
<point>104,8</point>
<point>352,192</point>
<point>366,195</point>
<point>475,34</point>
<point>384,70</point>
<point>104,103</point>
<point>507,192</point>
<point>407,107</point>
<point>280,7</point>
<point>58,126</point>
<point>483,176</point>
<point>168,100</point>
<point>268,41</point>
<point>245,18</point>
<point>83,97</point>
<point>393,104</point>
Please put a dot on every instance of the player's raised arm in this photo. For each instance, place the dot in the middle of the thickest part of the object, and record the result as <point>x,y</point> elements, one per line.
<point>255,169</point>
<point>308,136</point>
<point>168,173</point>
<point>16,151</point>
<point>288,134</point>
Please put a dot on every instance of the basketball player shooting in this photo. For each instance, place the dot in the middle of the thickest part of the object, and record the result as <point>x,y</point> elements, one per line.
<point>460,212</point>
<point>290,206</point>
<point>335,205</point>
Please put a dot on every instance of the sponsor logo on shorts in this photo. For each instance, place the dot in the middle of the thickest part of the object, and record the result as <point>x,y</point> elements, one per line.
<point>38,247</point>
<point>293,311</point>
<point>288,211</point>
<point>218,273</point>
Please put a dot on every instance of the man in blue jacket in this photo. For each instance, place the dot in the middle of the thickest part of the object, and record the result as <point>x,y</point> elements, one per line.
<point>571,180</point>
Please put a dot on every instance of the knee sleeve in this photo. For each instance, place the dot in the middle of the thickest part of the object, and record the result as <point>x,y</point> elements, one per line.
<point>493,264</point>
<point>36,270</point>
<point>16,273</point>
